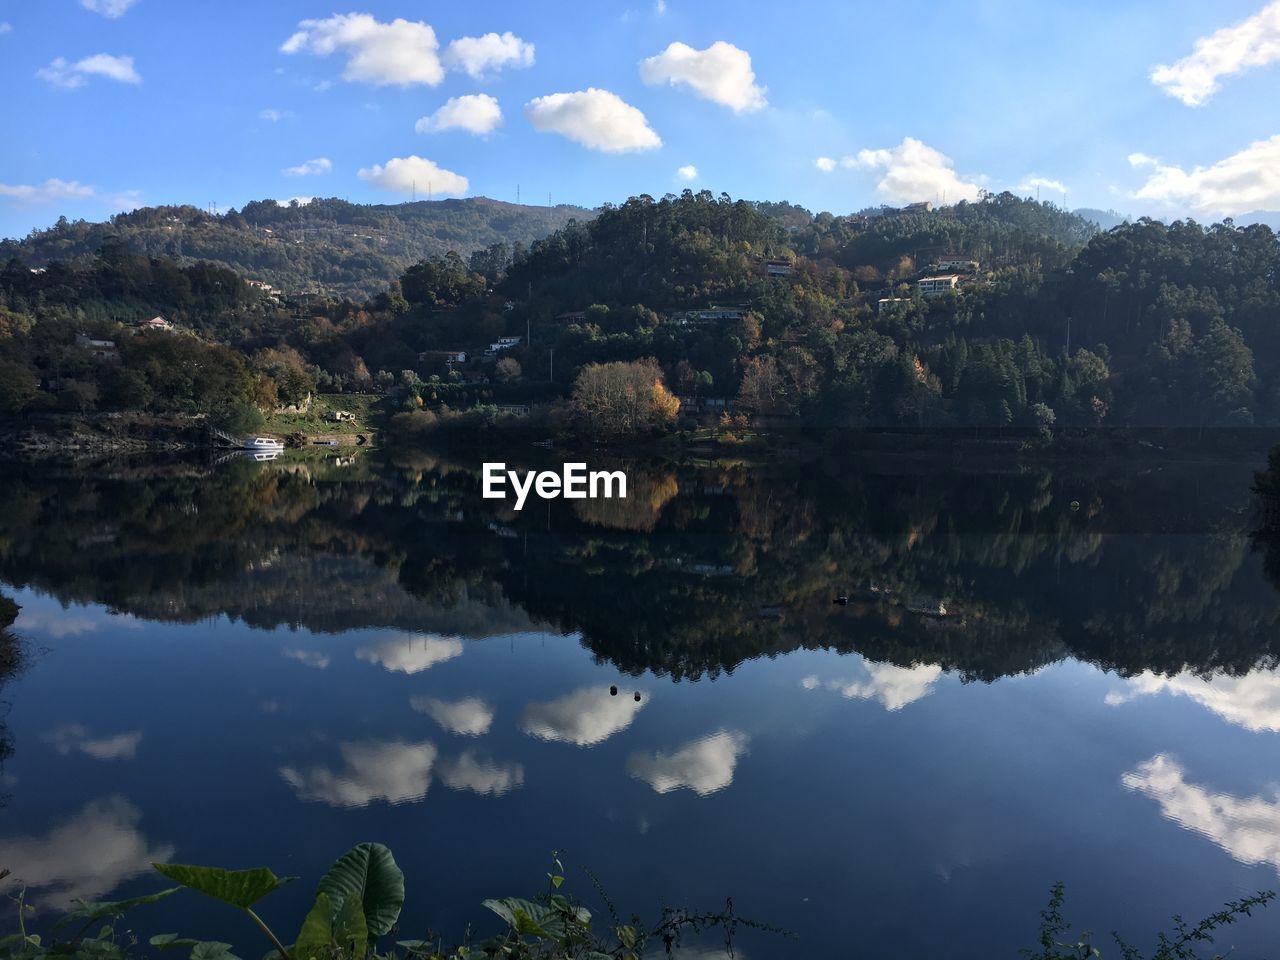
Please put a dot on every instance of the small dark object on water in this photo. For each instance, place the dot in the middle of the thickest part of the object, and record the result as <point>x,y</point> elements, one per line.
<point>637,696</point>
<point>613,691</point>
<point>842,601</point>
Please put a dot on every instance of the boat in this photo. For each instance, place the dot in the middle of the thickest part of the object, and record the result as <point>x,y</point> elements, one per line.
<point>262,443</point>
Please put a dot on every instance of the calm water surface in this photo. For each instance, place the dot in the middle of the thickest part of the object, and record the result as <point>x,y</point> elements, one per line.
<point>266,663</point>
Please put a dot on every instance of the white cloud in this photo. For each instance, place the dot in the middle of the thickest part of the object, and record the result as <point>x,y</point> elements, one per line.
<point>1247,828</point>
<point>399,53</point>
<point>687,172</point>
<point>1031,184</point>
<point>1254,42</point>
<point>72,737</point>
<point>410,653</point>
<point>308,658</point>
<point>914,171</point>
<point>87,856</point>
<point>891,686</point>
<point>584,717</point>
<point>474,112</point>
<point>825,164</point>
<point>272,115</point>
<point>476,56</point>
<point>47,192</point>
<point>55,622</point>
<point>597,119</point>
<point>704,766</point>
<point>721,73</point>
<point>309,168</point>
<point>1246,181</point>
<point>70,76</point>
<point>470,717</point>
<point>1251,701</point>
<point>5,27</point>
<point>300,201</point>
<point>108,8</point>
<point>479,776</point>
<point>390,770</point>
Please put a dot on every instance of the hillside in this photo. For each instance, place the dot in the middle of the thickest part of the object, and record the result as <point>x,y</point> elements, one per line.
<point>330,246</point>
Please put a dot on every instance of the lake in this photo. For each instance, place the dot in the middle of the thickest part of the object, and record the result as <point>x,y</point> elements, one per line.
<point>1041,673</point>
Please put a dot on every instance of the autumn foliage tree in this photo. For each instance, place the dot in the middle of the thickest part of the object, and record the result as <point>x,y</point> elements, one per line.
<point>622,399</point>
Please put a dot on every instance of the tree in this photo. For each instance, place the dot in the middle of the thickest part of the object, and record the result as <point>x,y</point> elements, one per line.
<point>507,369</point>
<point>622,399</point>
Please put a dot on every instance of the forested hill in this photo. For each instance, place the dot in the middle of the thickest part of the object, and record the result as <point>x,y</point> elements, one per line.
<point>331,246</point>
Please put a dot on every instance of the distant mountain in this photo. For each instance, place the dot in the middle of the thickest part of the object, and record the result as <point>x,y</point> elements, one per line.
<point>1105,219</point>
<point>1270,217</point>
<point>329,246</point>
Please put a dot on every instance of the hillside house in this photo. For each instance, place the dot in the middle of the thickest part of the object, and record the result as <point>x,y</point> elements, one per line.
<point>957,261</point>
<point>937,286</point>
<point>98,349</point>
<point>503,343</point>
<point>156,323</point>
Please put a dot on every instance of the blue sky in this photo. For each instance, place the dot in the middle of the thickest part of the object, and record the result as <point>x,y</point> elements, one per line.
<point>831,104</point>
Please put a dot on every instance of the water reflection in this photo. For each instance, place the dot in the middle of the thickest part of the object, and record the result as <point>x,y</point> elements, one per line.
<point>704,766</point>
<point>470,772</point>
<point>86,856</point>
<point>584,718</point>
<point>390,770</point>
<point>308,658</point>
<point>469,717</point>
<point>891,686</point>
<point>1251,701</point>
<point>1248,828</point>
<point>73,737</point>
<point>411,654</point>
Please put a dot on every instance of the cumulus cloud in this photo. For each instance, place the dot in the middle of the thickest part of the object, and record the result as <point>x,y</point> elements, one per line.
<point>475,112</point>
<point>467,772</point>
<point>1247,828</point>
<point>272,115</point>
<point>390,770</point>
<point>584,717</point>
<point>409,652</point>
<point>1251,701</point>
<point>308,658</point>
<point>1243,182</point>
<point>108,8</point>
<point>721,73</point>
<point>406,175</point>
<point>687,172</point>
<point>597,119</point>
<point>55,622</point>
<point>309,168</point>
<point>1033,183</point>
<point>72,737</point>
<point>891,686</point>
<point>1254,42</point>
<point>70,76</point>
<point>825,164</point>
<point>476,56</point>
<point>913,171</point>
<point>704,766</point>
<point>87,856</point>
<point>400,53</point>
<point>470,717</point>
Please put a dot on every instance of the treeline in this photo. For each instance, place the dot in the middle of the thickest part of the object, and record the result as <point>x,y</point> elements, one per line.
<point>759,311</point>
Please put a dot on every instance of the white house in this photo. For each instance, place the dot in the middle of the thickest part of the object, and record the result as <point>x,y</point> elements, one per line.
<point>956,261</point>
<point>937,286</point>
<point>504,343</point>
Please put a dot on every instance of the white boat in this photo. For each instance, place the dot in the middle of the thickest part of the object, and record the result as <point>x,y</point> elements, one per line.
<point>263,443</point>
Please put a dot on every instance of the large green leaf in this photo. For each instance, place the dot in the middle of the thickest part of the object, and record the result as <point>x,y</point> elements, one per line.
<point>88,911</point>
<point>350,931</point>
<point>240,888</point>
<point>368,873</point>
<point>317,930</point>
<point>528,918</point>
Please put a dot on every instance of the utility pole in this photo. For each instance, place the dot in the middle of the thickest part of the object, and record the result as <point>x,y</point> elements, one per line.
<point>553,365</point>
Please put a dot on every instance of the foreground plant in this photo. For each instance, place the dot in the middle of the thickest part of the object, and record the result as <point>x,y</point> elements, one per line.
<point>358,901</point>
